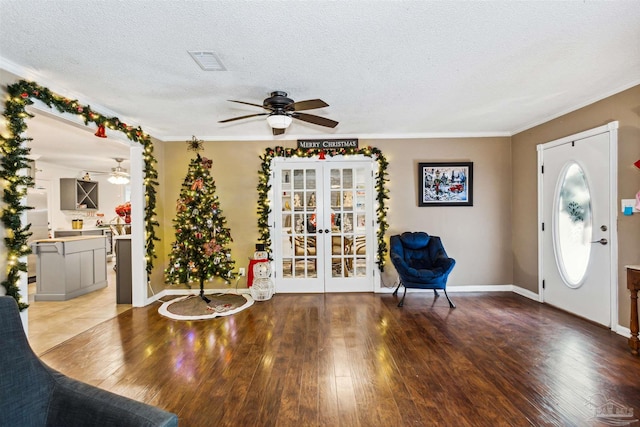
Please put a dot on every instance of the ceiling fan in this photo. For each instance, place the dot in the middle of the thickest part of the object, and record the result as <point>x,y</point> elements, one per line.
<point>118,175</point>
<point>281,110</point>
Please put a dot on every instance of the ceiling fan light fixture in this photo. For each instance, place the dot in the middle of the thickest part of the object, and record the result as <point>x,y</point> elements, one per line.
<point>279,121</point>
<point>118,175</point>
<point>118,179</point>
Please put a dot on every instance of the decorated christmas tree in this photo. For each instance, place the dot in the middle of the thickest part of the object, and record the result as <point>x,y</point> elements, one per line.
<point>200,252</point>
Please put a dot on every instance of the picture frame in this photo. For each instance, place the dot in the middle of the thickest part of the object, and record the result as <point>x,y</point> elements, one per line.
<point>445,184</point>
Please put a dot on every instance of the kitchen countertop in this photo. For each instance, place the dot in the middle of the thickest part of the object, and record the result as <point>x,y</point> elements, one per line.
<point>83,228</point>
<point>67,239</point>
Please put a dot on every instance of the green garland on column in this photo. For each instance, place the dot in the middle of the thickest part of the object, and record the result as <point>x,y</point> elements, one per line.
<point>381,192</point>
<point>14,158</point>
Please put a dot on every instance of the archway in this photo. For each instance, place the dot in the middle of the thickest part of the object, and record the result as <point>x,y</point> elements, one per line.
<point>15,183</point>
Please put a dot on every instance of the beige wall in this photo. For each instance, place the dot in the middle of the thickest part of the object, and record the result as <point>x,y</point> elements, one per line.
<point>235,171</point>
<point>623,107</point>
<point>478,237</point>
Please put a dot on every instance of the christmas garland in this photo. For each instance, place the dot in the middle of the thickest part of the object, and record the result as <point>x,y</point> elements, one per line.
<point>381,177</point>
<point>14,158</point>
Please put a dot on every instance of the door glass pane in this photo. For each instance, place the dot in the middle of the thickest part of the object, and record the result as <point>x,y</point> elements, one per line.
<point>572,225</point>
<point>311,179</point>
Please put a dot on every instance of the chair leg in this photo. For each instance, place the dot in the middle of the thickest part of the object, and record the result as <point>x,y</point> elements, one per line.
<point>401,303</point>
<point>451,304</point>
<point>396,291</point>
<point>435,293</point>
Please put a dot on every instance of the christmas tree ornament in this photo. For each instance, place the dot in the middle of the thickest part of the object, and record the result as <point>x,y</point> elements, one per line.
<point>194,144</point>
<point>197,185</point>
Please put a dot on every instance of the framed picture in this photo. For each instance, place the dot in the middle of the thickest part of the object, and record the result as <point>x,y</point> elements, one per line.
<point>445,184</point>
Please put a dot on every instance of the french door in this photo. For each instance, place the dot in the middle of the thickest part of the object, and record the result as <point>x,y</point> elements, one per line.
<point>323,234</point>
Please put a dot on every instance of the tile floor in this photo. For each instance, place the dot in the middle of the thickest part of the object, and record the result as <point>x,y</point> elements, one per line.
<point>53,322</point>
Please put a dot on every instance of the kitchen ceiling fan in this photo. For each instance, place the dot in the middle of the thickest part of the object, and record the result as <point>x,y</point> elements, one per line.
<point>281,110</point>
<point>118,175</point>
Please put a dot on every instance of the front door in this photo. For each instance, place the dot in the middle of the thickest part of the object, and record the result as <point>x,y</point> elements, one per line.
<point>324,225</point>
<point>578,225</point>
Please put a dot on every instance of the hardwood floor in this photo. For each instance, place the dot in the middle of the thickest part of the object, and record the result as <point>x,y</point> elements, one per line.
<point>498,359</point>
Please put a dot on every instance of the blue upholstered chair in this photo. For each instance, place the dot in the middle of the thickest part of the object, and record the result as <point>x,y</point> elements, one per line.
<point>34,395</point>
<point>421,262</point>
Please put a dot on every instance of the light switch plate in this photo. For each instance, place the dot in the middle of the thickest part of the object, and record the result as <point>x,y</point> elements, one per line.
<point>628,202</point>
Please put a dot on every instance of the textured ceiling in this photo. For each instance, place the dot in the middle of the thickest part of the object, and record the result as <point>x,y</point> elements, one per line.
<point>388,69</point>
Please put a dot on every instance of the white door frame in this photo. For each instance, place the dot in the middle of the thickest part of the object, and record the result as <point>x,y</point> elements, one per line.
<point>377,284</point>
<point>612,129</point>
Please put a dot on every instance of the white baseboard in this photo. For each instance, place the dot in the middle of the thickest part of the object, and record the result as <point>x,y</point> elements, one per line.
<point>621,330</point>
<point>471,288</point>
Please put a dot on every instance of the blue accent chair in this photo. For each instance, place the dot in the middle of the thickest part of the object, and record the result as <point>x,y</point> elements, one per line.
<point>34,395</point>
<point>421,262</point>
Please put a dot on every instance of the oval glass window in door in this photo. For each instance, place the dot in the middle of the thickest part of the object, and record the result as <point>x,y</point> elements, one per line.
<point>572,224</point>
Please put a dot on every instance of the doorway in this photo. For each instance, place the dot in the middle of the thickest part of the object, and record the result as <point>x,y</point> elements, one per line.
<point>323,225</point>
<point>577,240</point>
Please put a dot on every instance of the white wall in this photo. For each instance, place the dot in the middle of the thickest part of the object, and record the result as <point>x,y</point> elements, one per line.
<point>109,196</point>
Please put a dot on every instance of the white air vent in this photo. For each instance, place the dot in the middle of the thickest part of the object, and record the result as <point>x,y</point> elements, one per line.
<point>207,60</point>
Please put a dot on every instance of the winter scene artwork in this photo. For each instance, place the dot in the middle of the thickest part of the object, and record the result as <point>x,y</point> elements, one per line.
<point>445,184</point>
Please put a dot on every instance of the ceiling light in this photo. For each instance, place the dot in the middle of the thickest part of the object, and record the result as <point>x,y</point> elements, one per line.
<point>279,121</point>
<point>207,60</point>
<point>118,179</point>
<point>118,175</point>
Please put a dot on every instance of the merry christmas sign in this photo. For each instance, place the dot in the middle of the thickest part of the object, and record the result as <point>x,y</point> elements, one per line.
<point>327,144</point>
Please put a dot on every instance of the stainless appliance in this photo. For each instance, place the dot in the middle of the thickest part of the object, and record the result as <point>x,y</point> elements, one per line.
<point>38,217</point>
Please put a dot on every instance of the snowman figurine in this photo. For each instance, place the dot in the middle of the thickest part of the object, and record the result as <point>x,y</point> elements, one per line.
<point>262,288</point>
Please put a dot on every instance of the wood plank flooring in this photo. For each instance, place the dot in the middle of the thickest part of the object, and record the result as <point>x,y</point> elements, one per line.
<point>498,359</point>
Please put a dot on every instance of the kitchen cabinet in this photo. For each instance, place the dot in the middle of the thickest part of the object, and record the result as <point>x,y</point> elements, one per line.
<point>78,194</point>
<point>88,232</point>
<point>68,267</point>
<point>123,270</point>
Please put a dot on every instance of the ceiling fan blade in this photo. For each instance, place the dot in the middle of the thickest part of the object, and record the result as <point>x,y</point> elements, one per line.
<point>242,117</point>
<point>249,103</point>
<point>309,104</point>
<point>316,120</point>
<point>277,131</point>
